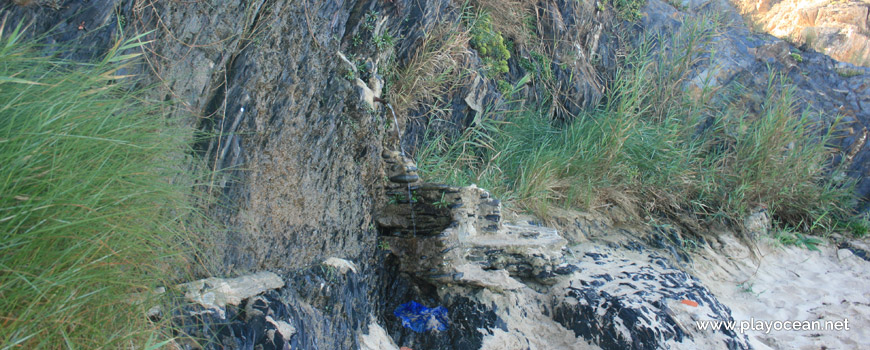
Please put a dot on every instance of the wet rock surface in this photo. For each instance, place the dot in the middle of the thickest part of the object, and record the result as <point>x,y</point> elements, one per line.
<point>511,280</point>
<point>504,286</point>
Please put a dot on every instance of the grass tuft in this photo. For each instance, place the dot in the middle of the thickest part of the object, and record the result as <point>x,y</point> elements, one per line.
<point>435,68</point>
<point>94,200</point>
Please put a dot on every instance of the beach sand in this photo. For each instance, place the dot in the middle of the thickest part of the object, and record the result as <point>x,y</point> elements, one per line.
<point>788,283</point>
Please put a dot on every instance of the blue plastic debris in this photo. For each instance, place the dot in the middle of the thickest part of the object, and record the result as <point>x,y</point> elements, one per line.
<point>420,318</point>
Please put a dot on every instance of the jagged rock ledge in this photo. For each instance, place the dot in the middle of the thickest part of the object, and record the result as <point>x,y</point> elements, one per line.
<point>474,235</point>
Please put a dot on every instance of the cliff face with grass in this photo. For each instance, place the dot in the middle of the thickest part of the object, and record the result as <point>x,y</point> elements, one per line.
<point>282,93</point>
<point>300,116</point>
<point>304,155</point>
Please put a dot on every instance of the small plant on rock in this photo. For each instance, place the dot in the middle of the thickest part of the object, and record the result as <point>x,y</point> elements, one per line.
<point>797,57</point>
<point>746,287</point>
<point>628,10</point>
<point>383,245</point>
<point>490,45</point>
<point>787,238</point>
<point>441,203</point>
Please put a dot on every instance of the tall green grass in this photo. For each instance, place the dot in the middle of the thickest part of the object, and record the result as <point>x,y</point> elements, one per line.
<point>779,159</point>
<point>94,200</point>
<point>653,146</point>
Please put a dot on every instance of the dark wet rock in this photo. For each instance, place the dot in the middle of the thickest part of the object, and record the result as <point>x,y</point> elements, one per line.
<point>323,307</point>
<point>860,252</point>
<point>417,210</point>
<point>400,168</point>
<point>610,297</point>
<point>638,305</point>
<point>404,178</point>
<point>466,317</point>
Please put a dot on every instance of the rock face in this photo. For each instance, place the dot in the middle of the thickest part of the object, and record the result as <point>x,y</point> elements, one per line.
<point>218,292</point>
<point>505,286</point>
<point>838,29</point>
<point>315,184</point>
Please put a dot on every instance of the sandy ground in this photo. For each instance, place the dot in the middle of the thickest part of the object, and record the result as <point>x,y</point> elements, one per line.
<point>791,284</point>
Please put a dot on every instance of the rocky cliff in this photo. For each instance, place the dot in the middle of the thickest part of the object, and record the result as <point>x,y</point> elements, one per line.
<point>292,100</point>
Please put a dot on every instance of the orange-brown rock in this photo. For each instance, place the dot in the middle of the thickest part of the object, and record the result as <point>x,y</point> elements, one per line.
<point>840,29</point>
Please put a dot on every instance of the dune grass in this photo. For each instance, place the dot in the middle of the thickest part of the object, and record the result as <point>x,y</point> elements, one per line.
<point>654,147</point>
<point>94,201</point>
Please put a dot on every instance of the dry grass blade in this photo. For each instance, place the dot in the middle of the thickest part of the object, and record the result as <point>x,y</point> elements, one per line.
<point>432,71</point>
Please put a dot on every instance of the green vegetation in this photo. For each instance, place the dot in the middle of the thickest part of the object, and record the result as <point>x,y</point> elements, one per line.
<point>858,228</point>
<point>329,273</point>
<point>654,147</point>
<point>384,41</point>
<point>490,45</point>
<point>848,72</point>
<point>796,239</point>
<point>628,10</point>
<point>369,25</point>
<point>514,19</point>
<point>797,57</point>
<point>746,287</point>
<point>540,65</point>
<point>94,201</point>
<point>370,21</point>
<point>441,203</point>
<point>383,245</point>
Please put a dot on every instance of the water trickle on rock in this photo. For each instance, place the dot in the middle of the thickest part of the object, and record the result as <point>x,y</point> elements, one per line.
<point>411,204</point>
<point>404,155</point>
